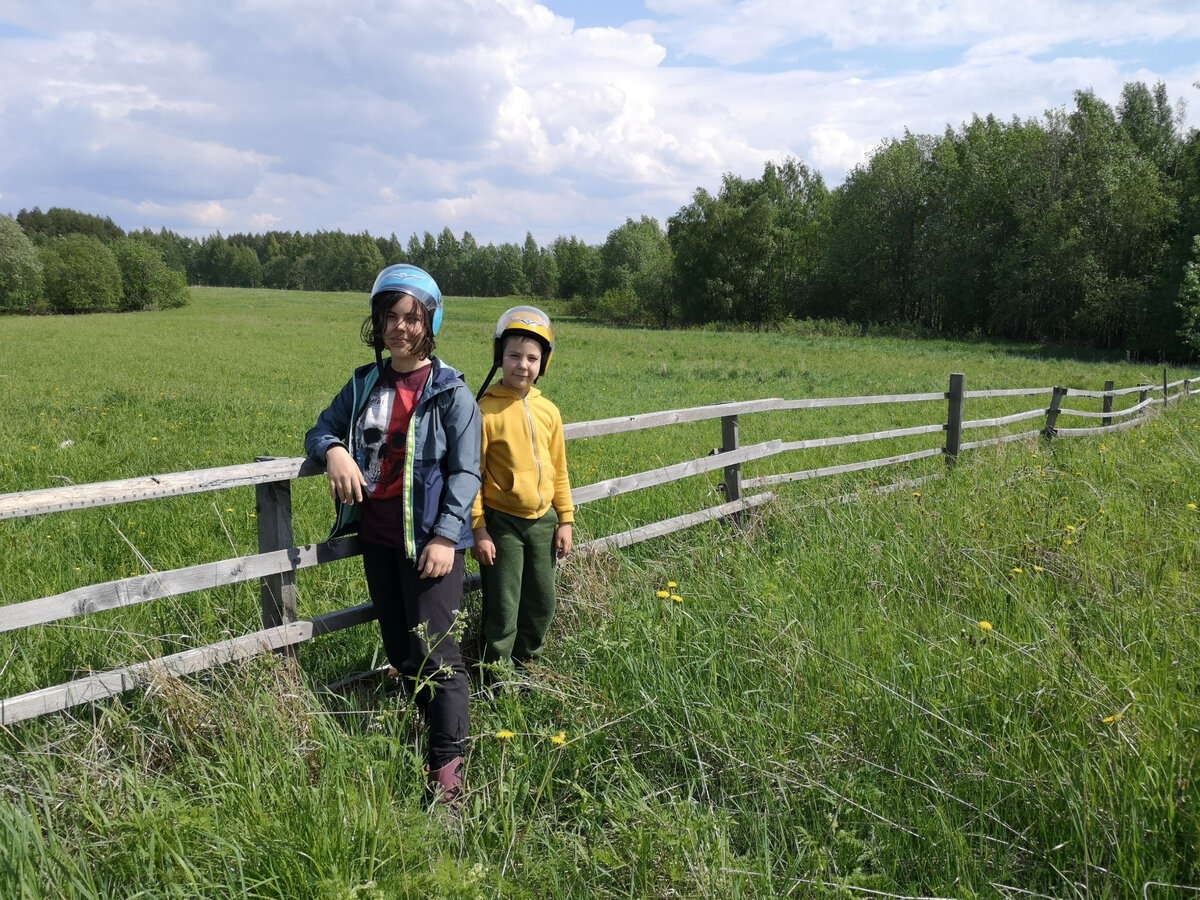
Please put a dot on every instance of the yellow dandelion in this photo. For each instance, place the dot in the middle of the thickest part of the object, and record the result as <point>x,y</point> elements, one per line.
<point>662,594</point>
<point>1103,512</point>
<point>1070,528</point>
<point>1068,542</point>
<point>676,598</point>
<point>1115,717</point>
<point>1017,570</point>
<point>229,509</point>
<point>672,584</point>
<point>560,738</point>
<point>504,734</point>
<point>917,494</point>
<point>154,439</point>
<point>1039,569</point>
<point>985,626</point>
<point>1191,506</point>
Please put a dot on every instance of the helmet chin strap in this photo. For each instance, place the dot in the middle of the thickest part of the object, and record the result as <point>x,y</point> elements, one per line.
<point>487,381</point>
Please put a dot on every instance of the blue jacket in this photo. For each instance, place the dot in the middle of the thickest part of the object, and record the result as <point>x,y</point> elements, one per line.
<point>441,475</point>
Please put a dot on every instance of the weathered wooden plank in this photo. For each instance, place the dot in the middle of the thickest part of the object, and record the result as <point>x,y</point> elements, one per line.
<point>156,585</point>
<point>812,443</point>
<point>614,487</point>
<point>1002,439</point>
<point>1007,392</point>
<point>867,400</point>
<point>151,487</point>
<point>1005,420</point>
<point>109,684</point>
<point>1099,429</point>
<point>622,424</point>
<point>1110,414</point>
<point>678,523</point>
<point>765,480</point>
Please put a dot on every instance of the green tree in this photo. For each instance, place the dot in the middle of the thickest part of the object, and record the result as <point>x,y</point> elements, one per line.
<point>1118,200</point>
<point>391,250</point>
<point>544,283</point>
<point>635,264</point>
<point>449,255</point>
<point>479,267</point>
<point>1151,123</point>
<point>213,261</point>
<point>877,228</point>
<point>578,268</point>
<point>20,270</point>
<point>176,250</point>
<point>58,221</point>
<point>509,275</point>
<point>1189,301</point>
<point>753,252</point>
<point>244,268</point>
<point>81,274</point>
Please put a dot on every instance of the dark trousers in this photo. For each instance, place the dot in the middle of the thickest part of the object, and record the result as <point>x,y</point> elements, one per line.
<point>416,617</point>
<point>518,589</point>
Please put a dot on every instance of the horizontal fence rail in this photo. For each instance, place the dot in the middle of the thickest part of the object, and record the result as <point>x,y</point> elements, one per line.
<point>277,562</point>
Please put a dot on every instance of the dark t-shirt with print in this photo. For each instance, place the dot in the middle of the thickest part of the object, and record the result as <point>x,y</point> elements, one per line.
<point>383,432</point>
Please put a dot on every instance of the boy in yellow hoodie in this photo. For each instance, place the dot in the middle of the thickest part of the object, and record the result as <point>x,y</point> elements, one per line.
<point>523,515</point>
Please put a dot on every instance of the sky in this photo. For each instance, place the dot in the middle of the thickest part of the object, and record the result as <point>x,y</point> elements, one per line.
<point>507,117</point>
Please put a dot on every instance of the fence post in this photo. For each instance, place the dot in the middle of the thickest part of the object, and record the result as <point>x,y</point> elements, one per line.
<point>1164,390</point>
<point>733,474</point>
<point>954,419</point>
<point>274,504</point>
<point>1052,412</point>
<point>1108,402</point>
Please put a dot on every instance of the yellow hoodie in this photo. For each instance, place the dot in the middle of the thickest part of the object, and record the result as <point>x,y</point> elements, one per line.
<point>524,457</point>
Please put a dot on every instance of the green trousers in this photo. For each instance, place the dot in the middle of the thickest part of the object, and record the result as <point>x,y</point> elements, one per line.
<point>518,589</point>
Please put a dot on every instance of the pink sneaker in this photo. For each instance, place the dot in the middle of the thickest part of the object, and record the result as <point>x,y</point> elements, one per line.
<point>445,785</point>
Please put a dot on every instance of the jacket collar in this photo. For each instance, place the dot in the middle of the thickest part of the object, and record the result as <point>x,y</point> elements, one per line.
<point>498,390</point>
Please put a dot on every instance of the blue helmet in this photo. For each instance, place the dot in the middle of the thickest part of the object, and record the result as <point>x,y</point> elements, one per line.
<point>415,282</point>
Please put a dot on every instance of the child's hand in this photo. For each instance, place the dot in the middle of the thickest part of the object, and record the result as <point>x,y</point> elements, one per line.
<point>484,551</point>
<point>563,539</point>
<point>437,559</point>
<point>346,480</point>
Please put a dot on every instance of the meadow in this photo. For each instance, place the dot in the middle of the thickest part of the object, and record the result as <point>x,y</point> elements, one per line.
<point>982,687</point>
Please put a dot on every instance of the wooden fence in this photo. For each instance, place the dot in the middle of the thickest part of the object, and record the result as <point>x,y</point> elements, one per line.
<point>278,560</point>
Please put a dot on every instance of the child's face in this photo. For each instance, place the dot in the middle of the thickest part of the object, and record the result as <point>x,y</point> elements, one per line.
<point>404,327</point>
<point>520,363</point>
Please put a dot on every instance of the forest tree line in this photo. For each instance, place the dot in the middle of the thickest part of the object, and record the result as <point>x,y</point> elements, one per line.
<point>1082,227</point>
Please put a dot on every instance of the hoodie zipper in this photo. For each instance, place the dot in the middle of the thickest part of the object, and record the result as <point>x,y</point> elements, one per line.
<point>533,446</point>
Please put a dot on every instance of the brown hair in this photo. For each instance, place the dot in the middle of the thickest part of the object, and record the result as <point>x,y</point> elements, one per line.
<point>373,325</point>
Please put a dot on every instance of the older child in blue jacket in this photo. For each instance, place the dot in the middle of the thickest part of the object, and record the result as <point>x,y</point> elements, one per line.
<point>400,443</point>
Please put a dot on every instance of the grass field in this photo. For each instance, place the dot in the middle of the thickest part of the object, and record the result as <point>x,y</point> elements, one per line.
<point>986,687</point>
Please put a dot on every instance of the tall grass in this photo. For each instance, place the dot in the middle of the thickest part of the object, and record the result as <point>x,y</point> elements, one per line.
<point>982,687</point>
